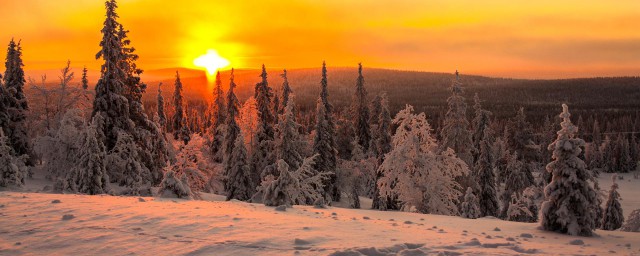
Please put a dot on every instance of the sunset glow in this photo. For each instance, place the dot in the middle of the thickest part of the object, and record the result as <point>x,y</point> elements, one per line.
<point>538,39</point>
<point>211,61</point>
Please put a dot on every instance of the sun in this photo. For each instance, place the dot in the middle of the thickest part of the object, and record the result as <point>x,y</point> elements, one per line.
<point>211,61</point>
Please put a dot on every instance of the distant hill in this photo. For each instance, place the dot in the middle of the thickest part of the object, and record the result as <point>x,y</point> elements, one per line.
<point>427,91</point>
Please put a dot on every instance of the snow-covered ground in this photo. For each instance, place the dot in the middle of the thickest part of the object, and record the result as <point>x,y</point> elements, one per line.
<point>43,224</point>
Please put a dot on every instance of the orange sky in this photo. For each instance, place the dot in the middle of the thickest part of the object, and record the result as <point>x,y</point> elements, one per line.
<point>533,39</point>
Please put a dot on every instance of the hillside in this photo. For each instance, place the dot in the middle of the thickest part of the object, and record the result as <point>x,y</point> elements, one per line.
<point>428,91</point>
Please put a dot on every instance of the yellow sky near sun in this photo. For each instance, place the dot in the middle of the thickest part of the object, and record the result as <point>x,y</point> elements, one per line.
<point>543,38</point>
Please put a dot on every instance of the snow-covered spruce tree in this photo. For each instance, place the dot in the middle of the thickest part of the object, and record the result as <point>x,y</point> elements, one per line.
<point>570,199</point>
<point>608,158</point>
<point>357,176</point>
<point>177,121</point>
<point>232,131</point>
<point>324,144</point>
<point>302,186</point>
<point>90,172</point>
<point>383,146</point>
<point>613,217</point>
<point>175,186</point>
<point>59,150</point>
<point>122,164</point>
<point>520,137</point>
<point>12,168</point>
<point>361,112</point>
<point>633,222</point>
<point>484,176</point>
<point>345,133</point>
<point>84,80</point>
<point>109,101</point>
<point>218,110</point>
<point>286,91</point>
<point>284,189</point>
<point>16,102</point>
<point>190,162</point>
<point>248,122</point>
<point>238,180</point>
<point>455,131</point>
<point>624,162</point>
<point>262,154</point>
<point>288,144</point>
<point>470,207</point>
<point>118,99</point>
<point>374,111</point>
<point>518,209</point>
<point>479,124</point>
<point>162,118</point>
<point>414,171</point>
<point>515,183</point>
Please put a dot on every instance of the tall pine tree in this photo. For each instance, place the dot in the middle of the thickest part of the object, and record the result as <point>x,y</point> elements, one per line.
<point>455,132</point>
<point>361,112</point>
<point>570,199</point>
<point>16,103</point>
<point>232,132</point>
<point>177,121</point>
<point>324,142</point>
<point>262,155</point>
<point>218,113</point>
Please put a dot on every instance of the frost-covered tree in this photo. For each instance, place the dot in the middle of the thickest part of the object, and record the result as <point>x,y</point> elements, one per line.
<point>480,123</point>
<point>16,103</point>
<point>470,206</point>
<point>118,99</point>
<point>109,101</point>
<point>59,150</point>
<point>238,179</point>
<point>175,186</point>
<point>483,173</point>
<point>301,186</point>
<point>191,163</point>
<point>84,80</point>
<point>286,91</point>
<point>608,157</point>
<point>633,222</point>
<point>50,103</point>
<point>374,111</point>
<point>262,155</point>
<point>515,183</point>
<point>624,162</point>
<point>361,112</point>
<point>248,122</point>
<point>520,137</point>
<point>345,134</point>
<point>232,130</point>
<point>288,143</point>
<point>357,176</point>
<point>414,171</point>
<point>613,217</point>
<point>162,118</point>
<point>122,164</point>
<point>90,172</point>
<point>520,208</point>
<point>570,198</point>
<point>383,146</point>
<point>218,114</point>
<point>178,120</point>
<point>455,130</point>
<point>324,144</point>
<point>12,168</point>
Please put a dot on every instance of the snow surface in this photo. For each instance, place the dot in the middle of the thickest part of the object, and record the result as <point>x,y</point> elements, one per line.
<point>31,223</point>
